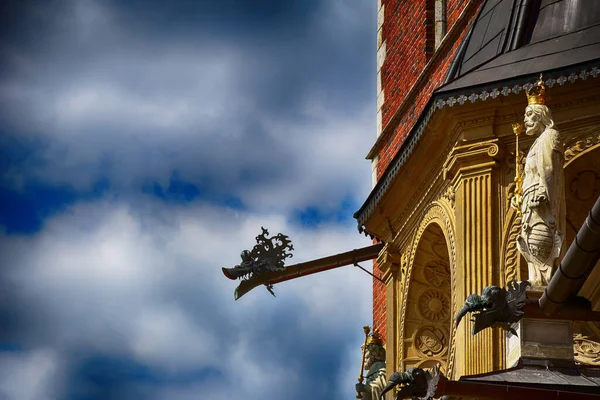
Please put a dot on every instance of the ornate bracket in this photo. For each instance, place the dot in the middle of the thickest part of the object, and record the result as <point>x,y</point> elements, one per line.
<point>414,383</point>
<point>471,156</point>
<point>496,307</point>
<point>268,255</point>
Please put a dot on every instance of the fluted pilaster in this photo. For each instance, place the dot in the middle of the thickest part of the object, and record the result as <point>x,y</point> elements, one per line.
<point>471,168</point>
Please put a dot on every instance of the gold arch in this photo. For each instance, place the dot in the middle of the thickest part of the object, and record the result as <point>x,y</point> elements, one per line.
<point>578,148</point>
<point>438,213</point>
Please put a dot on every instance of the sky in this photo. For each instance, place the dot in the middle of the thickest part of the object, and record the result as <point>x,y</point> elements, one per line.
<point>142,146</point>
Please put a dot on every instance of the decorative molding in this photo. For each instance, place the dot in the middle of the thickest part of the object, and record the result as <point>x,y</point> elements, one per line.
<point>388,262</point>
<point>510,260</point>
<point>437,274</point>
<point>494,91</point>
<point>586,351</point>
<point>581,146</point>
<point>441,216</point>
<point>438,102</point>
<point>464,157</point>
<point>450,195</point>
<point>431,341</point>
<point>425,195</point>
<point>477,247</point>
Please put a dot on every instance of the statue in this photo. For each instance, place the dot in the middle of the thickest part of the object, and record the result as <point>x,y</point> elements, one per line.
<point>542,206</point>
<point>374,362</point>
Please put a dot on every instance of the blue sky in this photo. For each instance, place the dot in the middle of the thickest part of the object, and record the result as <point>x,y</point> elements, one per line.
<point>142,146</point>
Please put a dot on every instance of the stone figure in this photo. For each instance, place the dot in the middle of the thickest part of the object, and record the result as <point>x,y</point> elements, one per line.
<point>542,206</point>
<point>375,364</point>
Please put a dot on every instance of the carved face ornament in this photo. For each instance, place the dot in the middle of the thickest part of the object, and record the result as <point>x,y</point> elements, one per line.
<point>533,123</point>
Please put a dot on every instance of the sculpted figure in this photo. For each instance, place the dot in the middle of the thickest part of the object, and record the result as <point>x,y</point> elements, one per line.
<point>375,364</point>
<point>543,200</point>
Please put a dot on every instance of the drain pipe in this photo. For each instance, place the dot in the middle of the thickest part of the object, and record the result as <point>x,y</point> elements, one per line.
<point>575,267</point>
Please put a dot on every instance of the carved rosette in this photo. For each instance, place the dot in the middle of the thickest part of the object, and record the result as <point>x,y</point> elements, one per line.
<point>434,305</point>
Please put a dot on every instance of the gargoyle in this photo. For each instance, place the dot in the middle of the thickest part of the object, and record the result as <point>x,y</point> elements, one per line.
<point>417,383</point>
<point>496,307</point>
<point>268,255</point>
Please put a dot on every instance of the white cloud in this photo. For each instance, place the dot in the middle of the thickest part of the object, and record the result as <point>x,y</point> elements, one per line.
<point>29,376</point>
<point>116,279</point>
<point>131,277</point>
<point>165,336</point>
<point>133,108</point>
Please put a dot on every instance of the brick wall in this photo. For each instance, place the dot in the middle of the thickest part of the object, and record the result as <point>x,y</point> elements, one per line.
<point>379,299</point>
<point>409,70</point>
<point>407,32</point>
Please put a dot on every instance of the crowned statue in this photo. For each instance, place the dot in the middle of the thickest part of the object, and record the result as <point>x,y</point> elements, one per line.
<point>542,203</point>
<point>374,362</point>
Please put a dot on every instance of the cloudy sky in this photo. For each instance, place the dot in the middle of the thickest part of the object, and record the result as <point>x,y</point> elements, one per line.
<point>142,146</point>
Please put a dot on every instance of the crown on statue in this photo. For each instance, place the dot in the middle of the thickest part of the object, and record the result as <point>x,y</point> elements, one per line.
<point>375,338</point>
<point>537,94</point>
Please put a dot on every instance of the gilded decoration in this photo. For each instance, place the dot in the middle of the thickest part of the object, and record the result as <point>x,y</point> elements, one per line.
<point>437,273</point>
<point>586,344</point>
<point>512,226</point>
<point>431,341</point>
<point>450,195</point>
<point>581,146</point>
<point>433,304</point>
<point>464,155</point>
<point>586,350</point>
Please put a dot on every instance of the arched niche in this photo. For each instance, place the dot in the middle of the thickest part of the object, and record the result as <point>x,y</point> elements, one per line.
<point>582,188</point>
<point>427,328</point>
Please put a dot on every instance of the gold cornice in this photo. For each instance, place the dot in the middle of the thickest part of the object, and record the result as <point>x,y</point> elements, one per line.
<point>432,185</point>
<point>581,145</point>
<point>472,156</point>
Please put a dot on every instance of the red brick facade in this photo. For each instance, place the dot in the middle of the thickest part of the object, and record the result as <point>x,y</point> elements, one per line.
<point>411,71</point>
<point>379,299</point>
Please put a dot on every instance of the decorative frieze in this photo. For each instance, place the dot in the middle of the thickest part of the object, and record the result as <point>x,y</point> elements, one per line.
<point>516,87</point>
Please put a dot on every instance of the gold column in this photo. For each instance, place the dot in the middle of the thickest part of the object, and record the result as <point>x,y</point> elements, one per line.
<point>471,168</point>
<point>389,263</point>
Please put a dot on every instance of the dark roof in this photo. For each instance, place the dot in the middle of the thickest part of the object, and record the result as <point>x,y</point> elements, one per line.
<point>543,372</point>
<point>508,44</point>
<point>512,38</point>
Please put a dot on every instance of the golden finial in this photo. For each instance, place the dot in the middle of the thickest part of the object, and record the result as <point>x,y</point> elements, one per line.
<point>537,94</point>
<point>517,128</point>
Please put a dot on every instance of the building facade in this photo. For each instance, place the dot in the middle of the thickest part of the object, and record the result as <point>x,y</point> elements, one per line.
<point>452,76</point>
